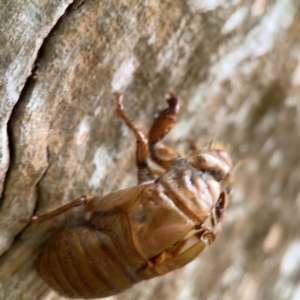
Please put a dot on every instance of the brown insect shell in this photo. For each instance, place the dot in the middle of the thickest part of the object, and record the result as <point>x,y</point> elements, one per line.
<point>153,221</point>
<point>158,214</point>
<point>128,228</point>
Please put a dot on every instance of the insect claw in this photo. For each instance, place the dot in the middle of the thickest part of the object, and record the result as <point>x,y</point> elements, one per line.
<point>170,95</point>
<point>119,100</point>
<point>204,239</point>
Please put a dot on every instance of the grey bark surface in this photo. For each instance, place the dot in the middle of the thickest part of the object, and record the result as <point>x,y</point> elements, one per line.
<point>235,67</point>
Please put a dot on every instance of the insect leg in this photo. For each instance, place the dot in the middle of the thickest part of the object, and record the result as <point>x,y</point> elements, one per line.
<point>163,123</point>
<point>142,150</point>
<point>175,262</point>
<point>181,259</point>
<point>83,200</point>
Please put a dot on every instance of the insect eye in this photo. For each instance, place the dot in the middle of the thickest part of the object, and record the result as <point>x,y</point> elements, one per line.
<point>219,211</point>
<point>228,190</point>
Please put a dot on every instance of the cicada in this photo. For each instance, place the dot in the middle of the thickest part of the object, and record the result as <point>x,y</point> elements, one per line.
<point>147,230</point>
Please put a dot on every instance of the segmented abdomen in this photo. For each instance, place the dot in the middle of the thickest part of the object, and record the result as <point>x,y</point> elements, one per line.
<point>82,262</point>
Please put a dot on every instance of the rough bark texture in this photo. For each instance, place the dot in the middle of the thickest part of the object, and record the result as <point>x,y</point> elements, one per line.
<point>236,67</point>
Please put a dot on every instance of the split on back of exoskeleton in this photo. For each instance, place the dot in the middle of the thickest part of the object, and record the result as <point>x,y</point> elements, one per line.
<point>214,161</point>
<point>172,217</point>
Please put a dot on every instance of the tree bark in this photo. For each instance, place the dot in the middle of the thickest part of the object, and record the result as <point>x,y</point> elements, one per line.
<point>235,67</point>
